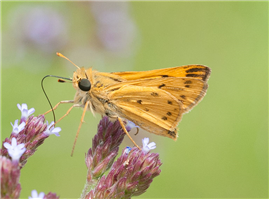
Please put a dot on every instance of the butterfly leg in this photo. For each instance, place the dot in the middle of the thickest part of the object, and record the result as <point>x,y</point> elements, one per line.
<point>69,110</point>
<point>61,102</point>
<point>125,131</point>
<point>80,124</point>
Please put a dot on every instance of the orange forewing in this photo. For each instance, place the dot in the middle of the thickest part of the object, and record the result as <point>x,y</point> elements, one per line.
<point>196,71</point>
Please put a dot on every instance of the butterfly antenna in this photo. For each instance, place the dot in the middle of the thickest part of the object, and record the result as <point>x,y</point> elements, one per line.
<point>42,86</point>
<point>61,55</point>
<point>54,118</point>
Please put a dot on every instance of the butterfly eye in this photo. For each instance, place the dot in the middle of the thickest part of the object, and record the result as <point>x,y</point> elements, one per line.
<point>84,85</point>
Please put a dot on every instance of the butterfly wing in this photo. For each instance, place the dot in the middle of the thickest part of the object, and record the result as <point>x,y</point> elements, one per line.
<point>194,71</point>
<point>152,109</point>
<point>189,91</point>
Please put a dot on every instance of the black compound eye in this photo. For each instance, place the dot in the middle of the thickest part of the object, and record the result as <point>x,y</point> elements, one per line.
<point>84,85</point>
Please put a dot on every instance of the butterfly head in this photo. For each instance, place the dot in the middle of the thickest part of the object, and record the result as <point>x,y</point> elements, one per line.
<point>81,80</point>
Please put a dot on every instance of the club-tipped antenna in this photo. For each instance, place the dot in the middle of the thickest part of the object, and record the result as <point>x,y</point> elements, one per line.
<point>61,55</point>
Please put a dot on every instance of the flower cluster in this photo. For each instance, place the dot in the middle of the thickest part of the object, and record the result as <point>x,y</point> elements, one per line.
<point>27,135</point>
<point>24,140</point>
<point>37,30</point>
<point>10,175</point>
<point>105,147</point>
<point>115,27</point>
<point>130,175</point>
<point>41,30</point>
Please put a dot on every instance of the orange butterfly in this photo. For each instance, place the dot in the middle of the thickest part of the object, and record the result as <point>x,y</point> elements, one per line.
<point>154,100</point>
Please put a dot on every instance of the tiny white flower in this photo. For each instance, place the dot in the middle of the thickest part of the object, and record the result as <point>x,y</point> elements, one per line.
<point>13,145</point>
<point>17,128</point>
<point>25,113</point>
<point>35,195</point>
<point>51,130</point>
<point>148,146</point>
<point>15,150</point>
<point>131,124</point>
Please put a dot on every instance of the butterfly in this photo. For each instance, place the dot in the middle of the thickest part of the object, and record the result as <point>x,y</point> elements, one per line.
<point>154,100</point>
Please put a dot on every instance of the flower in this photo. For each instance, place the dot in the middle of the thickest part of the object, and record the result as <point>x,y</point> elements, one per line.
<point>148,146</point>
<point>34,29</point>
<point>51,130</point>
<point>23,142</point>
<point>35,133</point>
<point>115,27</point>
<point>25,113</point>
<point>105,146</point>
<point>15,150</point>
<point>131,125</point>
<point>17,128</point>
<point>42,195</point>
<point>131,175</point>
<point>10,176</point>
<point>30,136</point>
<point>35,195</point>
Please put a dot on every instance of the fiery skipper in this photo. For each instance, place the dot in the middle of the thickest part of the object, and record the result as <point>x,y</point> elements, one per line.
<point>154,100</point>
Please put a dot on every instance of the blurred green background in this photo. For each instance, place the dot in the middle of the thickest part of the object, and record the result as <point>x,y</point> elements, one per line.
<point>222,149</point>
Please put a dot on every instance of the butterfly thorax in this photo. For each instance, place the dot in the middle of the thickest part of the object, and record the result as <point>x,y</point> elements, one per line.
<point>97,94</point>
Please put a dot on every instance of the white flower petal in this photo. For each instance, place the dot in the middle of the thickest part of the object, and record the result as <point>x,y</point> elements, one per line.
<point>49,125</point>
<point>13,142</point>
<point>7,145</point>
<point>15,123</point>
<point>148,146</point>
<point>17,128</point>
<point>56,131</point>
<point>51,130</point>
<point>21,126</point>
<point>145,141</point>
<point>15,151</point>
<point>19,106</point>
<point>152,145</point>
<point>131,124</point>
<point>41,195</point>
<point>31,111</point>
<point>24,106</point>
<point>35,195</point>
<point>25,113</point>
<point>20,146</point>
